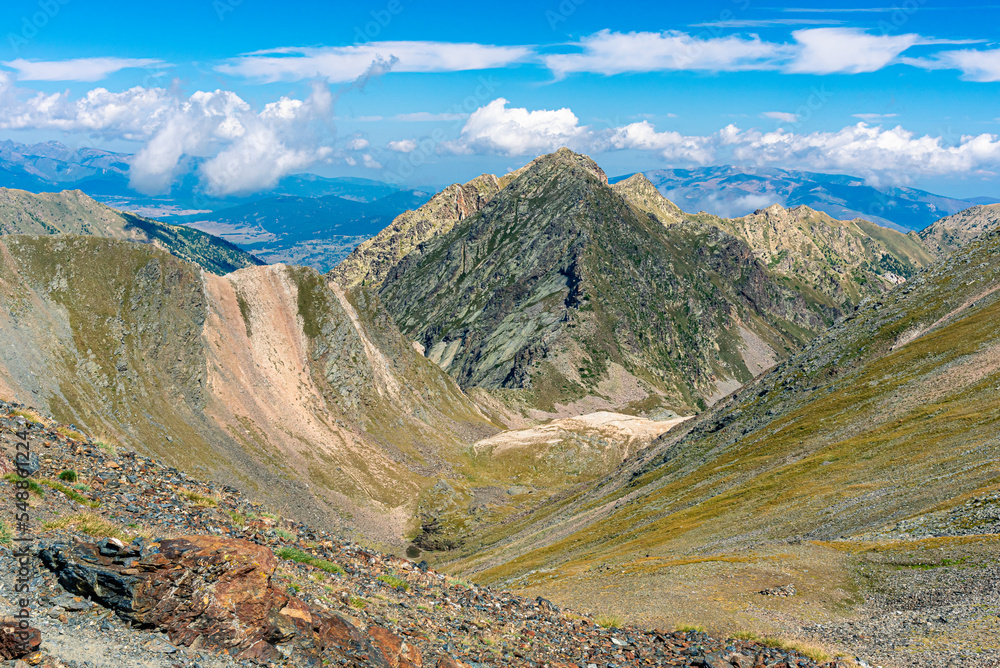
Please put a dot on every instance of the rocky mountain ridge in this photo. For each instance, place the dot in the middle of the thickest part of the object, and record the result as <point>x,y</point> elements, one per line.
<point>73,212</point>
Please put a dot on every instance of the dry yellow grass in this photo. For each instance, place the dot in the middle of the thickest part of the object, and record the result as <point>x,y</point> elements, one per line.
<point>96,526</point>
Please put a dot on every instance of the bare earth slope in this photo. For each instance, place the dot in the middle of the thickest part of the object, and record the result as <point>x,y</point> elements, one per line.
<point>269,378</point>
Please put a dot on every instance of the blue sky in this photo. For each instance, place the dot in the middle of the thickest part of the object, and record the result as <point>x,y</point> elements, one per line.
<point>247,91</point>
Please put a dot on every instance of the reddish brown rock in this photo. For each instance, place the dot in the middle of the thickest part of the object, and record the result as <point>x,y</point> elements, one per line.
<point>397,652</point>
<point>217,593</point>
<point>16,642</point>
<point>448,662</point>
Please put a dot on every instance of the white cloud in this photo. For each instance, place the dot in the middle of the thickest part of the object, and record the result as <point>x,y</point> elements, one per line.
<point>871,118</point>
<point>846,50</point>
<point>497,129</point>
<point>79,69</point>
<point>783,116</point>
<point>403,146</point>
<point>826,50</point>
<point>671,145</point>
<point>370,162</point>
<point>892,155</point>
<point>347,63</point>
<point>609,52</point>
<point>238,149</point>
<point>975,65</point>
<point>358,144</point>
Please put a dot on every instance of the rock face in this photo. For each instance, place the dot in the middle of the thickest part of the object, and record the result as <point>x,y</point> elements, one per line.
<point>563,290</point>
<point>845,261</point>
<point>72,212</point>
<point>217,593</point>
<point>951,233</point>
<point>371,262</point>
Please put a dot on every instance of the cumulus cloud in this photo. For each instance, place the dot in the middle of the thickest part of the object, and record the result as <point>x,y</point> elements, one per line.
<point>238,149</point>
<point>346,63</point>
<point>893,155</point>
<point>609,52</point>
<point>783,116</point>
<point>358,144</point>
<point>78,69</point>
<point>403,146</point>
<point>497,129</point>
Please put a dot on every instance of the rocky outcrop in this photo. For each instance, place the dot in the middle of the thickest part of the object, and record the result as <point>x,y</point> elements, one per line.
<point>218,594</point>
<point>72,212</point>
<point>371,262</point>
<point>951,233</point>
<point>568,293</point>
<point>17,641</point>
<point>642,194</point>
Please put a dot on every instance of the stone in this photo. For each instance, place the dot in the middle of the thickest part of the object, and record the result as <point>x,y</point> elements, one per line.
<point>16,642</point>
<point>209,592</point>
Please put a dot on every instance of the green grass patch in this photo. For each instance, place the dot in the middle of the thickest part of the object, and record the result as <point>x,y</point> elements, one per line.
<point>6,535</point>
<point>71,434</point>
<point>609,621</point>
<point>71,493</point>
<point>294,554</point>
<point>69,475</point>
<point>395,582</point>
<point>96,526</point>
<point>33,486</point>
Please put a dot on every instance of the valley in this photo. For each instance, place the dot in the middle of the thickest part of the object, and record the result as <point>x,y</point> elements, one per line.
<point>774,427</point>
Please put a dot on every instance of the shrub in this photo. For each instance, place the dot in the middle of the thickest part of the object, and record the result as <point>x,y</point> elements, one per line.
<point>69,475</point>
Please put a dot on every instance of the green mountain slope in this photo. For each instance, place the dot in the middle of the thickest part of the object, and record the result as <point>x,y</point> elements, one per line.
<point>269,378</point>
<point>72,212</point>
<point>881,429</point>
<point>560,290</point>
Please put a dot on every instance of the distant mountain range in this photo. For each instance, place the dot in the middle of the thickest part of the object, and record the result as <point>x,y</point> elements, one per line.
<point>736,191</point>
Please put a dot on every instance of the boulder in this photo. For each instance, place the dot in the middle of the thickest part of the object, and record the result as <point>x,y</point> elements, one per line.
<point>15,641</point>
<point>217,593</point>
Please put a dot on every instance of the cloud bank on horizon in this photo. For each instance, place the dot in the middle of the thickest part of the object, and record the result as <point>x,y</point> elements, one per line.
<point>241,137</point>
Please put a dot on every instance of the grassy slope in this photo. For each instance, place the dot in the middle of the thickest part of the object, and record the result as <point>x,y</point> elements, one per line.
<point>846,437</point>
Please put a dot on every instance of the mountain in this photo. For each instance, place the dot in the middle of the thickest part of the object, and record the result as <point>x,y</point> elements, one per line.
<point>312,231</point>
<point>868,455</point>
<point>561,291</point>
<point>72,212</point>
<point>729,191</point>
<point>200,569</point>
<point>370,262</point>
<point>951,233</point>
<point>268,378</point>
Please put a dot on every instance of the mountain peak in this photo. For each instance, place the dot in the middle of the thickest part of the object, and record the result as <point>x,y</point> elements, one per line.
<point>566,158</point>
<point>642,194</point>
